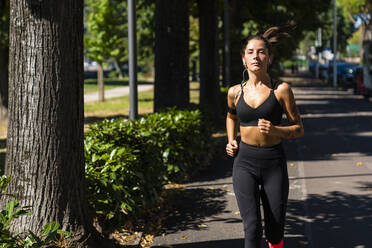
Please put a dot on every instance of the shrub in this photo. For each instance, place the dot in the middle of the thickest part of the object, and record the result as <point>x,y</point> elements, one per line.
<point>52,236</point>
<point>128,162</point>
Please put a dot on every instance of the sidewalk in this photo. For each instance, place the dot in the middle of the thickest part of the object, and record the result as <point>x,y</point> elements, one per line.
<point>330,173</point>
<point>116,92</point>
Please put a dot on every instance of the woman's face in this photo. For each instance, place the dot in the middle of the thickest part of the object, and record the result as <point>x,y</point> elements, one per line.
<point>256,56</point>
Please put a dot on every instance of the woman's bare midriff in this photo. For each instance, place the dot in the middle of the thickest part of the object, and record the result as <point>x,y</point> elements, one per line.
<point>251,135</point>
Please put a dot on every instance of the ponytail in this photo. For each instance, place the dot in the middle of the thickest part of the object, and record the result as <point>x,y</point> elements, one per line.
<point>272,36</point>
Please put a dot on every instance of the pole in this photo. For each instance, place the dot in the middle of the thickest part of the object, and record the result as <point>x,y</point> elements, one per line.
<point>319,54</point>
<point>334,45</point>
<point>132,35</point>
<point>226,25</point>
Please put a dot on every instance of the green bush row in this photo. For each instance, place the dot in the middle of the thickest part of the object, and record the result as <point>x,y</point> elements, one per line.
<point>128,162</point>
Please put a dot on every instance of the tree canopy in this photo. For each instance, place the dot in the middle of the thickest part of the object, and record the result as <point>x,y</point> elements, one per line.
<point>106,34</point>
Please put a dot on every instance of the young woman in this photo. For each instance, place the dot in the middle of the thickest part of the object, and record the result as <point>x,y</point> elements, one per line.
<point>258,105</point>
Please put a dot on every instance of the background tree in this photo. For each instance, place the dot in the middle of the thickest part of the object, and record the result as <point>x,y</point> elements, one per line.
<point>171,54</point>
<point>247,20</point>
<point>194,42</point>
<point>4,54</point>
<point>145,10</point>
<point>209,81</point>
<point>345,29</point>
<point>45,133</point>
<point>362,10</point>
<point>106,35</point>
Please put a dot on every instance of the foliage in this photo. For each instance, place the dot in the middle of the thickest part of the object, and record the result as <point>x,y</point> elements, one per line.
<point>52,236</point>
<point>106,35</point>
<point>145,32</point>
<point>345,30</point>
<point>357,8</point>
<point>356,38</point>
<point>127,162</point>
<point>4,24</point>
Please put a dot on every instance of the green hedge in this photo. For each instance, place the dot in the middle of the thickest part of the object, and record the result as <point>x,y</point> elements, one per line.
<point>128,162</point>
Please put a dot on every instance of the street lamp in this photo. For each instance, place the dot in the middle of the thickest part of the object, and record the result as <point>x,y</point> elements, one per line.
<point>132,38</point>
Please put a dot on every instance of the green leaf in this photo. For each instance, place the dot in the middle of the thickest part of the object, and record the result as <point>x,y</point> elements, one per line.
<point>10,208</point>
<point>49,228</point>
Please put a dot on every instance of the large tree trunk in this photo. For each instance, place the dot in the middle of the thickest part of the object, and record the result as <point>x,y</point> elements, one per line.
<point>4,54</point>
<point>236,25</point>
<point>45,133</point>
<point>209,85</point>
<point>171,54</point>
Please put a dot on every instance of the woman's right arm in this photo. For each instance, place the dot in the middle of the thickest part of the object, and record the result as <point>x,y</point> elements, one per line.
<point>231,123</point>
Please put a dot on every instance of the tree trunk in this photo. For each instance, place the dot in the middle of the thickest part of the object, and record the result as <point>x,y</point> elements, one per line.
<point>118,69</point>
<point>100,83</point>
<point>171,54</point>
<point>226,71</point>
<point>193,71</point>
<point>45,134</point>
<point>4,54</point>
<point>209,85</point>
<point>236,25</point>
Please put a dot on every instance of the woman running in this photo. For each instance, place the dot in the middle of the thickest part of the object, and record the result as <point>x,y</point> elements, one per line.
<point>258,105</point>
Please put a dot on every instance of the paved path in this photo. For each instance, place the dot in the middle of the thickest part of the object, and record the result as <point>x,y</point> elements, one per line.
<point>330,170</point>
<point>116,92</point>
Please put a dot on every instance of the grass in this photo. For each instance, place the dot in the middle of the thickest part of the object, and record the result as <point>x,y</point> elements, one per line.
<point>90,84</point>
<point>120,106</point>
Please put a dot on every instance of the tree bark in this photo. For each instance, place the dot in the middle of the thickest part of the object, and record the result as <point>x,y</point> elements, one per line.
<point>45,134</point>
<point>100,83</point>
<point>171,54</point>
<point>236,25</point>
<point>4,54</point>
<point>209,84</point>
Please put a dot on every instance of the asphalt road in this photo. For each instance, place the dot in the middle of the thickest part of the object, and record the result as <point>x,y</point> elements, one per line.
<point>330,171</point>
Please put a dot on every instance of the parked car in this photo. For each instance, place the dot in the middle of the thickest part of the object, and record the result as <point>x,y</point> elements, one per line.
<point>345,74</point>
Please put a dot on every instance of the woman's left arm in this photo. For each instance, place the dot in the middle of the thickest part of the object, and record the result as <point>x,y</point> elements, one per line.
<point>295,129</point>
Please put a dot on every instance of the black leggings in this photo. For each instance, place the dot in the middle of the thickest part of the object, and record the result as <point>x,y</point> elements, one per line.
<point>265,166</point>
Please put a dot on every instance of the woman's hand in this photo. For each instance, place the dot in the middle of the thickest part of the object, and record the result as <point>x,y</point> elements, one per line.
<point>266,127</point>
<point>231,148</point>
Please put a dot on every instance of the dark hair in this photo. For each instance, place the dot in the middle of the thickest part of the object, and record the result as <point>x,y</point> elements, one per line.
<point>271,36</point>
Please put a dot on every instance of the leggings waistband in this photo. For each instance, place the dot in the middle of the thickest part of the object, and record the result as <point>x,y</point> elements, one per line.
<point>261,152</point>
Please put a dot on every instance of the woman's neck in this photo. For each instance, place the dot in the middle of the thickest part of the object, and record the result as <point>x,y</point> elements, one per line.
<point>259,78</point>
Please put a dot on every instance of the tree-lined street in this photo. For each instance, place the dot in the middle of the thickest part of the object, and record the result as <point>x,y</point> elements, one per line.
<point>66,184</point>
<point>330,171</point>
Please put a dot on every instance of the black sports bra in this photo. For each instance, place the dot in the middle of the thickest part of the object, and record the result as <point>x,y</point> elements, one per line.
<point>270,110</point>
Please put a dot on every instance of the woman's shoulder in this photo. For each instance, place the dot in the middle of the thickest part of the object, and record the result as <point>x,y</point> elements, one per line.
<point>283,90</point>
<point>281,86</point>
<point>234,90</point>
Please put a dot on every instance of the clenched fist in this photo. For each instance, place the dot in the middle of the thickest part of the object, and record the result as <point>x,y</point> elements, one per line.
<point>231,148</point>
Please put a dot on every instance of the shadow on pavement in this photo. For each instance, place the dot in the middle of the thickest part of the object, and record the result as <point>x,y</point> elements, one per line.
<point>233,243</point>
<point>338,219</point>
<point>219,167</point>
<point>191,207</point>
<point>334,126</point>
